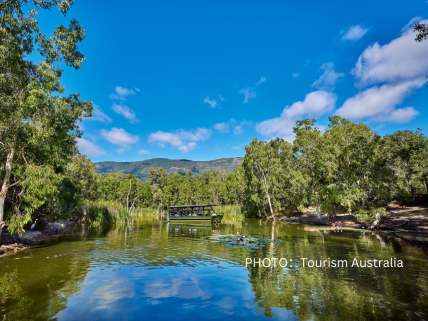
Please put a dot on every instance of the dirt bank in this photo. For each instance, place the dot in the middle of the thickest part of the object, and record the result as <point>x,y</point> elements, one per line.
<point>13,243</point>
<point>411,218</point>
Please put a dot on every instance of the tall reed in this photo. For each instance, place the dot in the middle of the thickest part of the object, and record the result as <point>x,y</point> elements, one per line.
<point>230,210</point>
<point>102,212</point>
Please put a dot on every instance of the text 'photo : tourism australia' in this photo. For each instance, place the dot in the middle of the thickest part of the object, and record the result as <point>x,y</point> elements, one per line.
<point>213,160</point>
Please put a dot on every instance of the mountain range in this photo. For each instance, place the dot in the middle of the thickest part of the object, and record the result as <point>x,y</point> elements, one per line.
<point>181,166</point>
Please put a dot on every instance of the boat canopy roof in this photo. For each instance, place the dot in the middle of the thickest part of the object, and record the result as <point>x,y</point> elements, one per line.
<point>192,206</point>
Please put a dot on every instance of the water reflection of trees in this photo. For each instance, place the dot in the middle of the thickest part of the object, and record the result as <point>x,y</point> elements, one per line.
<point>341,293</point>
<point>40,287</point>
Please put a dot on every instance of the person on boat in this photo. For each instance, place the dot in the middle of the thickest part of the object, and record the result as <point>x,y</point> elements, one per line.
<point>193,214</point>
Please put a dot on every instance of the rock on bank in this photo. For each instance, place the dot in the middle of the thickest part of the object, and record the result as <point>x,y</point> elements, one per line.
<point>12,243</point>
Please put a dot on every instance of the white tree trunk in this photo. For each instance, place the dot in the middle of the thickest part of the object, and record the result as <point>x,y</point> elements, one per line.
<point>5,185</point>
<point>1,210</point>
<point>1,214</point>
<point>270,206</point>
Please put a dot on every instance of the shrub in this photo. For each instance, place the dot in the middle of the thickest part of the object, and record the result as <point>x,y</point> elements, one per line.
<point>368,217</point>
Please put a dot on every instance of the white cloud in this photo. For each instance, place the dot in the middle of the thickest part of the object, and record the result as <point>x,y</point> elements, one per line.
<point>262,80</point>
<point>126,112</point>
<point>185,141</point>
<point>118,136</point>
<point>329,78</point>
<point>239,147</point>
<point>315,104</point>
<point>143,152</point>
<point>238,130</point>
<point>222,127</point>
<point>162,138</point>
<point>88,148</point>
<point>401,59</point>
<point>396,70</point>
<point>355,33</point>
<point>187,147</point>
<point>200,135</point>
<point>399,115</point>
<point>221,98</point>
<point>122,92</point>
<point>296,75</point>
<point>99,115</point>
<point>248,94</point>
<point>123,149</point>
<point>378,103</point>
<point>137,89</point>
<point>212,103</point>
<point>410,24</point>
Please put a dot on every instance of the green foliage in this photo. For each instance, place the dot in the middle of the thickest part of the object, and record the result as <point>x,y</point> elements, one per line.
<point>363,216</point>
<point>368,217</point>
<point>101,212</point>
<point>231,210</point>
<point>11,294</point>
<point>158,176</point>
<point>262,170</point>
<point>81,172</point>
<point>38,123</point>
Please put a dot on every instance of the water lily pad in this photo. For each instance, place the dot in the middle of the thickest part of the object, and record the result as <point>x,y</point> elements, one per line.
<point>251,242</point>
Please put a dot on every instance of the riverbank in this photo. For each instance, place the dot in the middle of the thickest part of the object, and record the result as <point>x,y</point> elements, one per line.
<point>12,243</point>
<point>409,218</point>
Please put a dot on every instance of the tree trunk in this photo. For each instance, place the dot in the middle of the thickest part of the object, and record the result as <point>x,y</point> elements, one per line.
<point>8,171</point>
<point>364,202</point>
<point>426,185</point>
<point>272,236</point>
<point>270,206</point>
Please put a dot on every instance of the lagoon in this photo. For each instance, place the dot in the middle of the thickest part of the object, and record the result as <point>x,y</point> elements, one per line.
<point>155,270</point>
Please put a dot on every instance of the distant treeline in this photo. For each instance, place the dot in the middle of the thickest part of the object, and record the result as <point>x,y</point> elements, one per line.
<point>164,189</point>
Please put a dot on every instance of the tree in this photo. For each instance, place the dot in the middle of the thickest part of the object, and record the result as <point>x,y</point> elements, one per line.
<point>262,170</point>
<point>351,164</point>
<point>81,172</point>
<point>158,176</point>
<point>407,158</point>
<point>232,190</point>
<point>38,126</point>
<point>306,154</point>
<point>422,31</point>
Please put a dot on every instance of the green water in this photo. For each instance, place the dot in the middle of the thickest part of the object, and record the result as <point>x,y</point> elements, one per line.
<point>155,271</point>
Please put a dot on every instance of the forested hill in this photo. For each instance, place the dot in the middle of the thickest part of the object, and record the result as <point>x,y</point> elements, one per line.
<point>181,166</point>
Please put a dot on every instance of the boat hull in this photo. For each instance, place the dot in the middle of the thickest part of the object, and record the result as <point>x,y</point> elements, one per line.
<point>216,218</point>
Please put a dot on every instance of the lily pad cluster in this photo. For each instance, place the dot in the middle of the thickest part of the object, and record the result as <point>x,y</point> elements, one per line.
<point>251,242</point>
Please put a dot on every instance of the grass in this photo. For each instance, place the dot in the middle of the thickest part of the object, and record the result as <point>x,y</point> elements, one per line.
<point>145,211</point>
<point>102,212</point>
<point>230,210</point>
<point>110,212</point>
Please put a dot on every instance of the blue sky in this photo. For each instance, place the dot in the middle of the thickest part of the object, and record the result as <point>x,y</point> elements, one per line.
<point>200,79</point>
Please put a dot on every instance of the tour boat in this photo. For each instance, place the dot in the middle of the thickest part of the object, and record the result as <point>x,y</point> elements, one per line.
<point>190,213</point>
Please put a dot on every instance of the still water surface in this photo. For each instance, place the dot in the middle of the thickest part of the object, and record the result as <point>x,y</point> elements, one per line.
<point>150,270</point>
